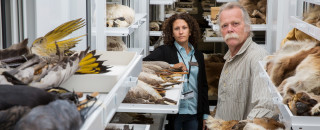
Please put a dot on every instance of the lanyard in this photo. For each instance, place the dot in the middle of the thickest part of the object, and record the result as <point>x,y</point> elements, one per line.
<point>188,75</point>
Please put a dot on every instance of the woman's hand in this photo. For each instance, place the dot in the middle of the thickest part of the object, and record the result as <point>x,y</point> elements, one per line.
<point>180,65</point>
<point>204,127</point>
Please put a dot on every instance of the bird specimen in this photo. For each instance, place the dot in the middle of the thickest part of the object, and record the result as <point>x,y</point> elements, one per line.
<point>115,44</point>
<point>51,62</point>
<point>155,26</point>
<point>132,118</point>
<point>47,46</point>
<point>153,82</point>
<point>59,115</point>
<point>13,95</point>
<point>119,15</point>
<point>151,79</point>
<point>14,51</point>
<point>162,64</point>
<point>9,117</point>
<point>147,70</point>
<point>153,67</point>
<point>145,94</point>
<point>125,127</point>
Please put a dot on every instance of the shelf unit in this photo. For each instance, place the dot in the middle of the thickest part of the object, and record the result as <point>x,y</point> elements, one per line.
<point>155,33</point>
<point>135,34</point>
<point>254,27</point>
<point>207,38</point>
<point>162,2</point>
<point>39,23</point>
<point>213,39</point>
<point>110,102</point>
<point>317,2</point>
<point>122,31</point>
<point>162,15</point>
<point>135,126</point>
<point>289,12</point>
<point>305,27</point>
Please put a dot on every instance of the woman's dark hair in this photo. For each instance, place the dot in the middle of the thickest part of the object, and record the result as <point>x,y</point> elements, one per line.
<point>193,26</point>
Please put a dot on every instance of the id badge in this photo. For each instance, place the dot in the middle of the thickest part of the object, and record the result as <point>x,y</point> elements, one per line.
<point>193,63</point>
<point>188,95</point>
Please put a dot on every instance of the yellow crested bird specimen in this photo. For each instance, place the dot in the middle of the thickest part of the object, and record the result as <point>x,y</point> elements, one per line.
<point>46,46</point>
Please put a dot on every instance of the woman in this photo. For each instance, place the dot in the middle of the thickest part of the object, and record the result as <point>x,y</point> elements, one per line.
<point>180,34</point>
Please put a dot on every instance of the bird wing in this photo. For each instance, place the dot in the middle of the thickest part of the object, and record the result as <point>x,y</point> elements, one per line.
<point>63,45</point>
<point>64,30</point>
<point>52,38</point>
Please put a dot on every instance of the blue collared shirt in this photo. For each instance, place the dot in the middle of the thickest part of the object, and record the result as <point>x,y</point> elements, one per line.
<point>188,106</point>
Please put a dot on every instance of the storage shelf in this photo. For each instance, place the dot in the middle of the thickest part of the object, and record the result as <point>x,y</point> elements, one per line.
<point>135,126</point>
<point>298,122</point>
<point>254,27</point>
<point>213,39</point>
<point>275,94</point>
<point>124,31</point>
<point>168,15</point>
<point>155,33</point>
<point>162,2</point>
<point>173,93</point>
<point>317,2</point>
<point>207,36</point>
<point>109,102</point>
<point>151,48</point>
<point>305,27</point>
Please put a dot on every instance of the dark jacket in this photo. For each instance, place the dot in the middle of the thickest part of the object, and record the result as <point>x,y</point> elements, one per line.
<point>168,53</point>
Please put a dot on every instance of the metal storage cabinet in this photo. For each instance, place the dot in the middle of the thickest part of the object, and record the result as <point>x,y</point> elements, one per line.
<point>288,15</point>
<point>41,16</point>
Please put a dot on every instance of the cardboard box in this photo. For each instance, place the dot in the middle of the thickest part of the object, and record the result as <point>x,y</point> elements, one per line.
<point>214,12</point>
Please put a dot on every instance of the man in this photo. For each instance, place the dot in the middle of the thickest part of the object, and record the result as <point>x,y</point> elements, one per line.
<point>242,93</point>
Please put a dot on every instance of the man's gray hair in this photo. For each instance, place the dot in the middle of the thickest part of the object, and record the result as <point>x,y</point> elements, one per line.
<point>245,15</point>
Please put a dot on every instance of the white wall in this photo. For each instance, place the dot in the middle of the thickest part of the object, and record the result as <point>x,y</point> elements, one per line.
<point>49,14</point>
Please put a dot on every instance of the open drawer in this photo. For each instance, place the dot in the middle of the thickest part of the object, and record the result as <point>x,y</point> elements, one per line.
<point>112,86</point>
<point>174,93</point>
